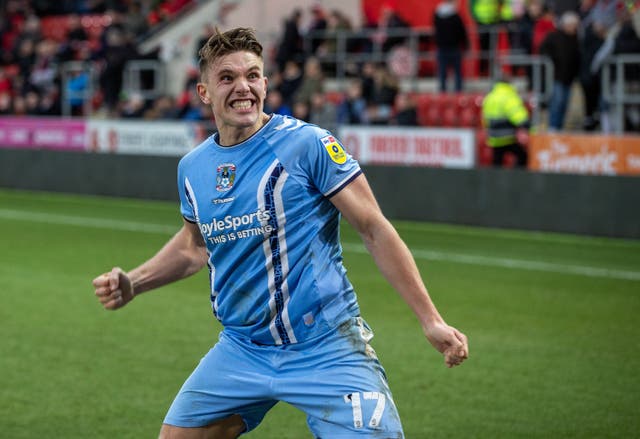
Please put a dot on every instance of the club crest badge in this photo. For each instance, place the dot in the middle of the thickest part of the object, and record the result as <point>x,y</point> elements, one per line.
<point>335,150</point>
<point>225,176</point>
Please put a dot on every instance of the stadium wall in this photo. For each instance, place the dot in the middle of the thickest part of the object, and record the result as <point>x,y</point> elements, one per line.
<point>582,204</point>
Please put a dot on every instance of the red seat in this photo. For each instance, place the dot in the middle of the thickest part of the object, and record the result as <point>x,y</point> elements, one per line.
<point>424,104</point>
<point>432,116</point>
<point>450,116</point>
<point>463,101</point>
<point>469,117</point>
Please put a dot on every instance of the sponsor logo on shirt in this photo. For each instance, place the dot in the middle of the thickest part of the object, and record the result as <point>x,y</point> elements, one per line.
<point>335,150</point>
<point>231,228</point>
<point>225,176</point>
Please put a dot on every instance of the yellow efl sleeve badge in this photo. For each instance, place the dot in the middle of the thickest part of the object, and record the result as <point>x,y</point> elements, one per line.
<point>334,149</point>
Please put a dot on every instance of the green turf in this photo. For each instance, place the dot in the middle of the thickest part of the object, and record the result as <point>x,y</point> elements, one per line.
<point>554,350</point>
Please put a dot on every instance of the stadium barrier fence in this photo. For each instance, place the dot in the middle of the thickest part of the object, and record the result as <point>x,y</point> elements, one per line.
<point>505,198</point>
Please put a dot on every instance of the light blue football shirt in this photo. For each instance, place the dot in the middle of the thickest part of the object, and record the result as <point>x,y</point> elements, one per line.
<point>272,235</point>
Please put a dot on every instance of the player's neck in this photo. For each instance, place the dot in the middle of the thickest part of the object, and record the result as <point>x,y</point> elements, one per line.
<point>230,135</point>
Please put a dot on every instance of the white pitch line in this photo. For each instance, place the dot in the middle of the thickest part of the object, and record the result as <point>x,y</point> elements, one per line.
<point>521,264</point>
<point>94,223</point>
<point>486,261</point>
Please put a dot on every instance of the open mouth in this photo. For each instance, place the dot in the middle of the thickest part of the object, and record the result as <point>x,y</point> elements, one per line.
<point>244,104</point>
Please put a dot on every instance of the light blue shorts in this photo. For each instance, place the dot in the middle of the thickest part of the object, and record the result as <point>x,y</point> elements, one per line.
<point>335,379</point>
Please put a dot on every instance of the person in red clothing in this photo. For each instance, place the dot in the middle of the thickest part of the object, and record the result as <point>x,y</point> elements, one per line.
<point>544,23</point>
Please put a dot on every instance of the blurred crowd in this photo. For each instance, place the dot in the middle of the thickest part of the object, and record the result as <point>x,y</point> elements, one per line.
<point>100,32</point>
<point>578,37</point>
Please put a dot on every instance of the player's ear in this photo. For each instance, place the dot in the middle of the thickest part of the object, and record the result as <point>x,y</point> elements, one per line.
<point>265,88</point>
<point>203,93</point>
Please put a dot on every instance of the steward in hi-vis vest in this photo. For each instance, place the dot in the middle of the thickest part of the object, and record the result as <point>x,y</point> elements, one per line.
<point>503,114</point>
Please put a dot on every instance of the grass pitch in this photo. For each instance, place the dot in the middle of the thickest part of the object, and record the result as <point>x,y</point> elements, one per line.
<point>551,320</point>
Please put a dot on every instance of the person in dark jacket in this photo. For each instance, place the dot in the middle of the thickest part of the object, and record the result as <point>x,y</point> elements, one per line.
<point>451,41</point>
<point>290,46</point>
<point>563,48</point>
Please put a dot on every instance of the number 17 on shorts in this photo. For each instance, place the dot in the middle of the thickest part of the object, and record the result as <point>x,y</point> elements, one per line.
<point>355,399</point>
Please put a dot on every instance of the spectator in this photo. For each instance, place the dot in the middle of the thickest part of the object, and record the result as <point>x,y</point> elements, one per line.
<point>117,53</point>
<point>486,14</point>
<point>312,81</point>
<point>5,104</point>
<point>32,103</point>
<point>322,112</point>
<point>388,33</point>
<point>19,106</point>
<point>75,41</point>
<point>194,110</point>
<point>513,15</point>
<point>598,20</point>
<point>77,91</point>
<point>317,27</point>
<point>275,104</point>
<point>301,110</point>
<point>5,83</point>
<point>290,46</point>
<point>563,48</point>
<point>381,90</point>
<point>406,113</point>
<point>544,22</point>
<point>163,108</point>
<point>353,108</point>
<point>44,72</point>
<point>30,30</point>
<point>506,119</point>
<point>25,57</point>
<point>290,82</point>
<point>133,107</point>
<point>337,22</point>
<point>451,40</point>
<point>50,102</point>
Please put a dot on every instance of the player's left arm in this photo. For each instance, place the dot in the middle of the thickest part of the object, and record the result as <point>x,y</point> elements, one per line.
<point>358,205</point>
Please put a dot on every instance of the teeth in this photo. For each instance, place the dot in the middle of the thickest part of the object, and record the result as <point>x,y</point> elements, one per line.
<point>242,104</point>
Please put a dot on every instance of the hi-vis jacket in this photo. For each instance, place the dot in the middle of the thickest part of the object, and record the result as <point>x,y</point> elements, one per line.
<point>485,11</point>
<point>503,112</point>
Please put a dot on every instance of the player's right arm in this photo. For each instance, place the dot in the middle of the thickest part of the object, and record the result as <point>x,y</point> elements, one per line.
<point>182,256</point>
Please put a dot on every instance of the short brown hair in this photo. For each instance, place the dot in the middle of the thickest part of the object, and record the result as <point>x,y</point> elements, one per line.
<point>240,39</point>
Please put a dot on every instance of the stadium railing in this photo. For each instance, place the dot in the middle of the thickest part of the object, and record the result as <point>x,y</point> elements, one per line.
<point>146,78</point>
<point>621,86</point>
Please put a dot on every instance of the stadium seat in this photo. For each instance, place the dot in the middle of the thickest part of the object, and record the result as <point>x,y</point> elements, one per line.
<point>444,100</point>
<point>423,104</point>
<point>56,27</point>
<point>432,116</point>
<point>463,101</point>
<point>469,117</point>
<point>450,117</point>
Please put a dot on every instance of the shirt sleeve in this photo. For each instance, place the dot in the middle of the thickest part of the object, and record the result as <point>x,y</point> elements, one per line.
<point>330,167</point>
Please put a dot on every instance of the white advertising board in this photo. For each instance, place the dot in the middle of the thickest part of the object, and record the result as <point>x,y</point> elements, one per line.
<point>142,137</point>
<point>409,146</point>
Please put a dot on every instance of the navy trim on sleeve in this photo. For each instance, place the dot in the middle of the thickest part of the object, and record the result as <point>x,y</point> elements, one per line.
<point>188,220</point>
<point>343,185</point>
